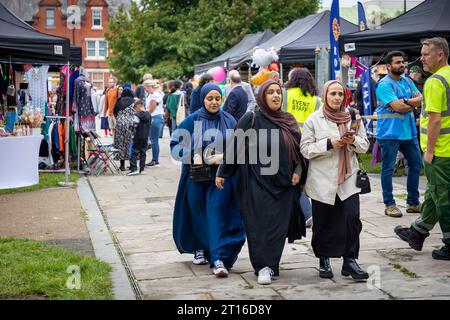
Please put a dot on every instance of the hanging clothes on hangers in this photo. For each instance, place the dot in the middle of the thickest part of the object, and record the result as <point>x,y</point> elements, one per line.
<point>37,79</point>
<point>73,76</point>
<point>50,146</point>
<point>82,105</point>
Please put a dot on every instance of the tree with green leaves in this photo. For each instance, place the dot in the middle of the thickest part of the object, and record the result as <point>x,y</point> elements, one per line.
<point>167,38</point>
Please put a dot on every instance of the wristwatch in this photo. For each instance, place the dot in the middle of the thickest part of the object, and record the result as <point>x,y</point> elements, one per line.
<point>405,100</point>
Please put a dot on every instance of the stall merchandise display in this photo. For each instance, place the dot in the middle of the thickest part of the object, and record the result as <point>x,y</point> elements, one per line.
<point>82,103</point>
<point>37,81</point>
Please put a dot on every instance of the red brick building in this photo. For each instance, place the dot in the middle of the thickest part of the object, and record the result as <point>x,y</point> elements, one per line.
<point>84,23</point>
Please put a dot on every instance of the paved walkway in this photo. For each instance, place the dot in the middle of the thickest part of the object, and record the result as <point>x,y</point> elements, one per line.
<point>139,212</point>
<point>53,216</point>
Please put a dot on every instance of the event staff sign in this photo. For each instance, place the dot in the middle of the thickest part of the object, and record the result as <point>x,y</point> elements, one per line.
<point>335,32</point>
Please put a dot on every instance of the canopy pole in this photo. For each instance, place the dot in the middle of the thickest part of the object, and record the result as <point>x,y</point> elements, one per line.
<point>67,124</point>
<point>281,74</point>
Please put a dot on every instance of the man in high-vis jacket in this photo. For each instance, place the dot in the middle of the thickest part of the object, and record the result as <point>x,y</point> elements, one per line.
<point>435,142</point>
<point>396,131</point>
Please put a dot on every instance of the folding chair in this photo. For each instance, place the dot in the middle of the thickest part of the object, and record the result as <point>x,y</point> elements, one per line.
<point>101,156</point>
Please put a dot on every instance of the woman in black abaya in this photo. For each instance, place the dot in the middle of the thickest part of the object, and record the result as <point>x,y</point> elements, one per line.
<point>268,193</point>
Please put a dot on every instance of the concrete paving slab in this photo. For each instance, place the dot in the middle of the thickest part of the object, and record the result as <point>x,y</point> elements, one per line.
<point>249,293</point>
<point>140,212</point>
<point>417,288</point>
<point>327,290</point>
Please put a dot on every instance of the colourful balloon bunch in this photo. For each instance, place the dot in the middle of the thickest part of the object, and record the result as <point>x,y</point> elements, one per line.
<point>266,60</point>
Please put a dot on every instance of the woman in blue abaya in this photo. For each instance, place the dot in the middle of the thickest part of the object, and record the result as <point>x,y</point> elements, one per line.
<point>206,220</point>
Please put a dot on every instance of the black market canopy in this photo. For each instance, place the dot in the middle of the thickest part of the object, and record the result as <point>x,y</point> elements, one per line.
<point>24,44</point>
<point>428,19</point>
<point>237,54</point>
<point>298,41</point>
<point>75,55</point>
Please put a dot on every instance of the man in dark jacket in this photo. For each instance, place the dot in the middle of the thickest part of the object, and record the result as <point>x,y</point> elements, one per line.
<point>142,121</point>
<point>237,100</point>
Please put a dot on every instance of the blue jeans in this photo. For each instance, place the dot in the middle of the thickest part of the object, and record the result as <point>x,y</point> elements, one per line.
<point>305,204</point>
<point>174,124</point>
<point>411,151</point>
<point>155,131</point>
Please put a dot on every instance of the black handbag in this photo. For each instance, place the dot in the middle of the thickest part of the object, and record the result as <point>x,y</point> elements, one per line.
<point>362,179</point>
<point>201,173</point>
<point>363,182</point>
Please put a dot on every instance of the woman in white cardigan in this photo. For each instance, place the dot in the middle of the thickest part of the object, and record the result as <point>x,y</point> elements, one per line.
<point>330,144</point>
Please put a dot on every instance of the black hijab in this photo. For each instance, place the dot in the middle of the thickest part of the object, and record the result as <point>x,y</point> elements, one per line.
<point>282,119</point>
<point>126,99</point>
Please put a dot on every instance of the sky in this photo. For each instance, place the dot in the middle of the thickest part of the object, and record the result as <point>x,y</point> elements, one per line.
<point>343,3</point>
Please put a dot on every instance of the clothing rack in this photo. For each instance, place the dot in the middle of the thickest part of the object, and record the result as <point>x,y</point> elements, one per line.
<point>58,117</point>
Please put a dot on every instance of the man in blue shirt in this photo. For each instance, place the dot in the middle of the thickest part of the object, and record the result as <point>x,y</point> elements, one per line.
<point>397,98</point>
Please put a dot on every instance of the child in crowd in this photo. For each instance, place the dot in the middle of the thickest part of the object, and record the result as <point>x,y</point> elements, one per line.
<point>142,121</point>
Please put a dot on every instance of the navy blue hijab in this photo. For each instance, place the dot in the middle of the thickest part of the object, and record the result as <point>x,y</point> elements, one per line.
<point>220,120</point>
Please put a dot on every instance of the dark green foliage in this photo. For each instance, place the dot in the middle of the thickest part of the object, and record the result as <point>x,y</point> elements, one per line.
<point>168,38</point>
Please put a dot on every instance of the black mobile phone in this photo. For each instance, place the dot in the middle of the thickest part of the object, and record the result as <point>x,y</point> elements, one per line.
<point>348,134</point>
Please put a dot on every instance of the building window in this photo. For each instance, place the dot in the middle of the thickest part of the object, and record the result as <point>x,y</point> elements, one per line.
<point>97,81</point>
<point>96,18</point>
<point>50,17</point>
<point>91,49</point>
<point>97,49</point>
<point>103,49</point>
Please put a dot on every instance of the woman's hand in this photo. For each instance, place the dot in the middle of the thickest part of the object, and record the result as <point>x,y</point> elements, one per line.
<point>348,139</point>
<point>219,183</point>
<point>215,159</point>
<point>198,159</point>
<point>295,179</point>
<point>337,143</point>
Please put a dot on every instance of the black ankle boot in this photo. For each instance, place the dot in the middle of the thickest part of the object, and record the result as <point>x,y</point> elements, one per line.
<point>414,238</point>
<point>325,270</point>
<point>442,254</point>
<point>353,269</point>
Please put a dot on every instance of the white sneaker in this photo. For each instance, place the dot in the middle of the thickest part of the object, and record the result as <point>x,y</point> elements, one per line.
<point>265,276</point>
<point>219,269</point>
<point>199,257</point>
<point>133,173</point>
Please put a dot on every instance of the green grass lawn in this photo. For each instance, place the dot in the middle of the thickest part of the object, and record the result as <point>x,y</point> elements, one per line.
<point>365,163</point>
<point>365,160</point>
<point>34,270</point>
<point>46,180</point>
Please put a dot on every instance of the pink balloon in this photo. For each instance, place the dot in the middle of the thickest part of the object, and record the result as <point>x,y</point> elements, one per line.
<point>218,73</point>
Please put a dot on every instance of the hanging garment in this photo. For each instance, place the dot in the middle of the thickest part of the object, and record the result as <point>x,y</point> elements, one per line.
<point>55,144</point>
<point>73,142</point>
<point>73,76</point>
<point>61,137</point>
<point>82,104</point>
<point>37,80</point>
<point>11,119</point>
<point>50,142</point>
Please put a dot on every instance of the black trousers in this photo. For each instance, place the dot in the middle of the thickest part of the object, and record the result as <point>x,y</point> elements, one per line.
<point>336,228</point>
<point>138,152</point>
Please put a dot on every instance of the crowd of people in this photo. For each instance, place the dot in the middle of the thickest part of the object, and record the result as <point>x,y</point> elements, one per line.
<point>266,168</point>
